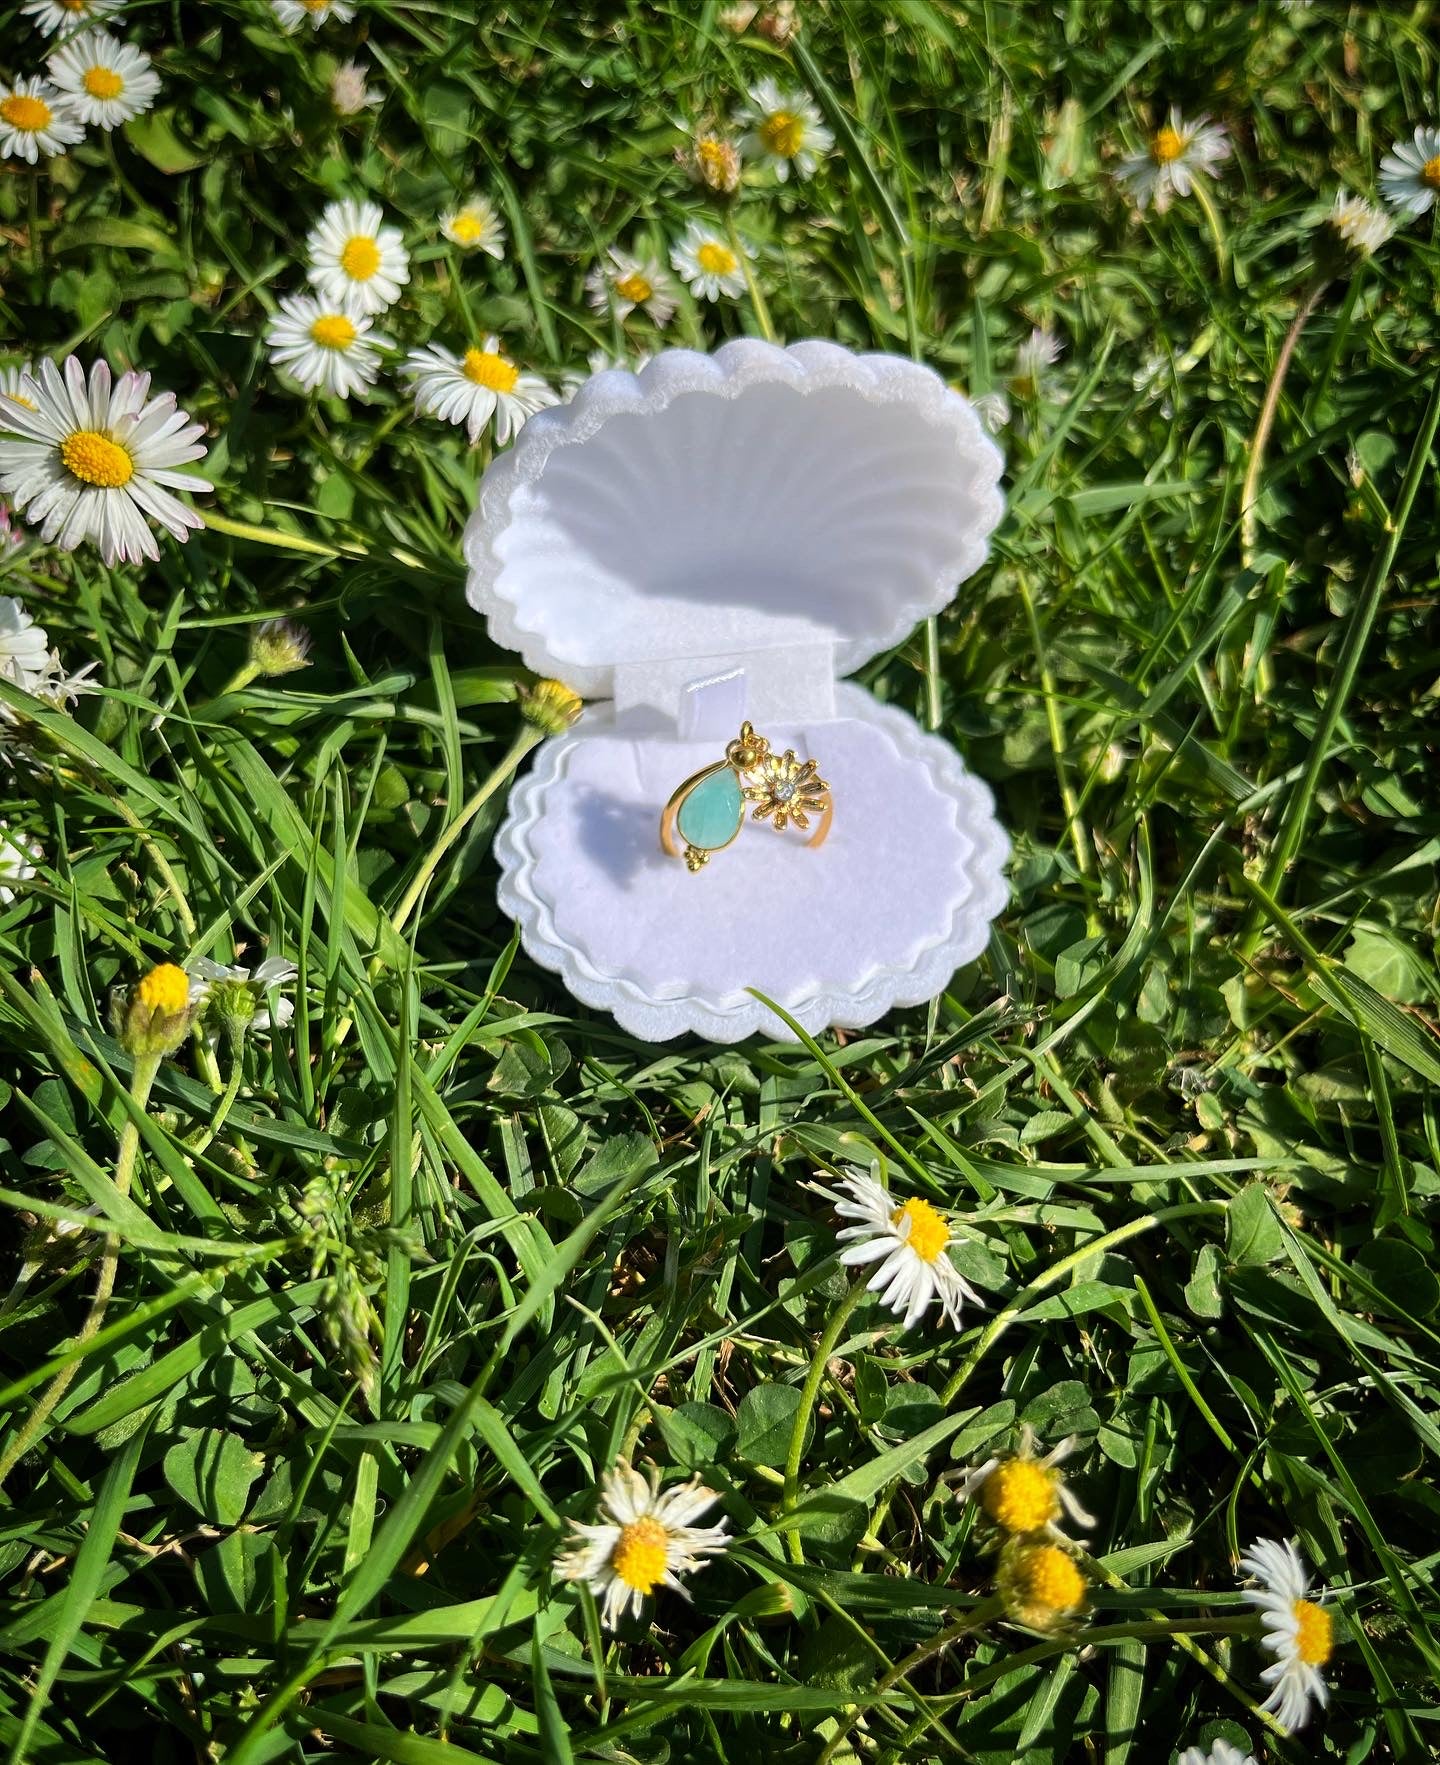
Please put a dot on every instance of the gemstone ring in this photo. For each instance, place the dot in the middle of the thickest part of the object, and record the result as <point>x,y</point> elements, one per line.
<point>705,814</point>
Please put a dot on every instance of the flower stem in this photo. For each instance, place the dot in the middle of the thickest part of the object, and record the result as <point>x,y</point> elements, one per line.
<point>1250,489</point>
<point>808,1393</point>
<point>757,299</point>
<point>143,1077</point>
<point>222,1107</point>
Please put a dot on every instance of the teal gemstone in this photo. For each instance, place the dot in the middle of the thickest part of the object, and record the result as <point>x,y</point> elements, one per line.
<point>710,815</point>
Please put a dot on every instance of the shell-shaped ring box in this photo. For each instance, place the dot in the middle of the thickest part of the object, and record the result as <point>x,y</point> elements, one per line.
<point>716,539</point>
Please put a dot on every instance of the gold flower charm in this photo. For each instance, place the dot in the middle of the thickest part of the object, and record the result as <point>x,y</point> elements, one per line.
<point>705,813</point>
<point>787,789</point>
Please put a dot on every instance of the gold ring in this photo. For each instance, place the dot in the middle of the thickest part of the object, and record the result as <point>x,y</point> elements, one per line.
<point>706,813</point>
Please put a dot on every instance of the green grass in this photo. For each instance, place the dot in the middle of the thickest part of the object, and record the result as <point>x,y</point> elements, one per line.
<point>457,1243</point>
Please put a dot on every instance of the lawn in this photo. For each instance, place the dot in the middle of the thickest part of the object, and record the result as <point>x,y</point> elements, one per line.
<point>337,1293</point>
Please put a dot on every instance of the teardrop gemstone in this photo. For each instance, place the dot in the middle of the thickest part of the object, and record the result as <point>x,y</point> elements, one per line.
<point>710,814</point>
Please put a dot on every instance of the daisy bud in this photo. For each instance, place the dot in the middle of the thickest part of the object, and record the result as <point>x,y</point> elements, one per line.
<point>550,705</point>
<point>715,163</point>
<point>279,646</point>
<point>348,92</point>
<point>778,24</point>
<point>1041,1585</point>
<point>230,1006</point>
<point>156,1014</point>
<point>1353,230</point>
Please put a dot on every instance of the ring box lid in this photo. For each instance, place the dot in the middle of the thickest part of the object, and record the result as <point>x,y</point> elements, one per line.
<point>756,499</point>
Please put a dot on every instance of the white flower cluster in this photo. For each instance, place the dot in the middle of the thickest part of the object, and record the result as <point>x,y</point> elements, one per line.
<point>92,80</point>
<point>358,267</point>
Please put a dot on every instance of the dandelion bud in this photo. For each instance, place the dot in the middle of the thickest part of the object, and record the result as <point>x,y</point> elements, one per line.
<point>155,1016</point>
<point>279,646</point>
<point>1041,1585</point>
<point>715,163</point>
<point>550,705</point>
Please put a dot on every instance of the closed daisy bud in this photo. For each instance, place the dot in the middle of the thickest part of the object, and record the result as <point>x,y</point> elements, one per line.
<point>279,646</point>
<point>1041,1585</point>
<point>1024,1494</point>
<point>715,163</point>
<point>550,705</point>
<point>1354,229</point>
<point>155,1016</point>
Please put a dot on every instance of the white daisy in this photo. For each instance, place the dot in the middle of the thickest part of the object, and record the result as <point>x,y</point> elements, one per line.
<point>468,390</point>
<point>1040,350</point>
<point>348,91</point>
<point>106,81</point>
<point>294,13</point>
<point>627,282</point>
<point>1220,1752</point>
<point>1360,227</point>
<point>785,128</point>
<point>247,996</point>
<point>36,120</point>
<point>1298,1632</point>
<point>17,862</point>
<point>643,1540</point>
<point>12,385</point>
<point>475,226</point>
<point>24,645</point>
<point>55,16</point>
<point>909,1240</point>
<point>1178,153</point>
<point>708,264</point>
<point>1021,1494</point>
<point>355,258</point>
<point>1410,172</point>
<point>325,344</point>
<point>92,460</point>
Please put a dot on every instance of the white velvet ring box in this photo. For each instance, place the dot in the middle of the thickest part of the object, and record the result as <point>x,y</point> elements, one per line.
<point>719,538</point>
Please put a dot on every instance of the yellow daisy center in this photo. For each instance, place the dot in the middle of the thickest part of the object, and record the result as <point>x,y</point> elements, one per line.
<point>467,228</point>
<point>166,988</point>
<point>361,257</point>
<point>1019,1496</point>
<point>640,1555</point>
<point>1316,1636</point>
<point>1430,172</point>
<point>715,259</point>
<point>75,5</point>
<point>488,368</point>
<point>29,115</point>
<point>1049,1581</point>
<point>711,153</point>
<point>634,288</point>
<point>333,331</point>
<point>103,82</point>
<point>94,458</point>
<point>783,134</point>
<point>1168,145</point>
<point>316,5</point>
<point>928,1234</point>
